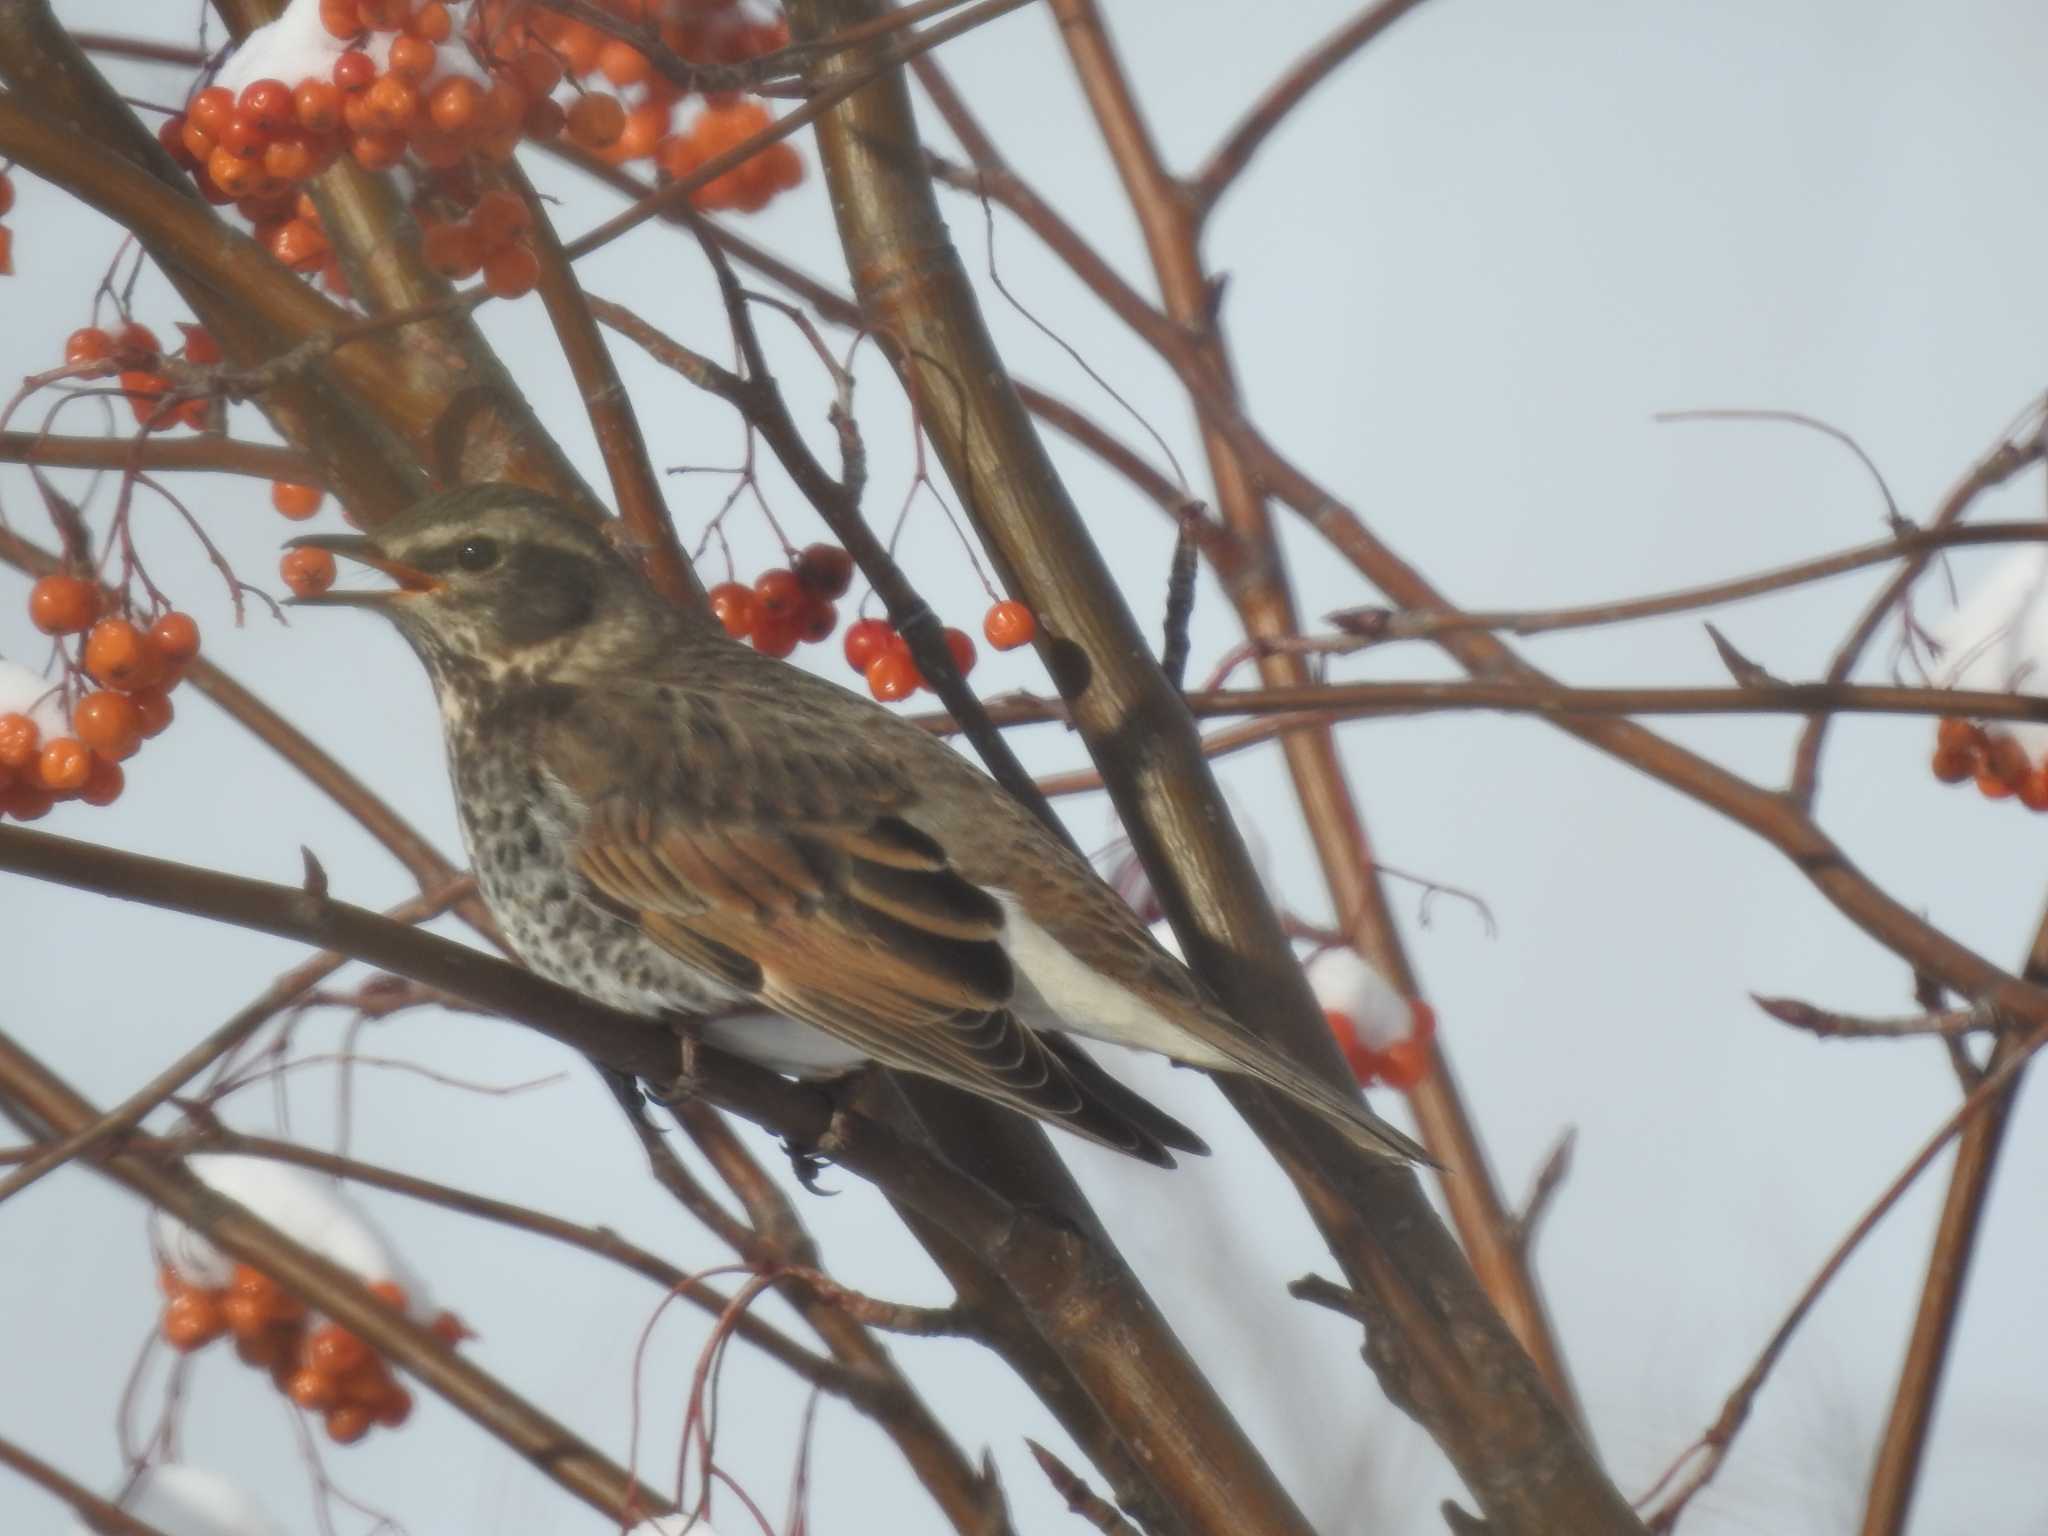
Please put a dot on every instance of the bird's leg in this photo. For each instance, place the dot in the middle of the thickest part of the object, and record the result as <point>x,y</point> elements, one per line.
<point>688,1071</point>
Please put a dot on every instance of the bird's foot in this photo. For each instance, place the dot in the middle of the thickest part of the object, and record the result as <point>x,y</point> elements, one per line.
<point>807,1164</point>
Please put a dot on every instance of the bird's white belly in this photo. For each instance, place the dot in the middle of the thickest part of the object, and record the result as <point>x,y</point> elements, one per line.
<point>782,1044</point>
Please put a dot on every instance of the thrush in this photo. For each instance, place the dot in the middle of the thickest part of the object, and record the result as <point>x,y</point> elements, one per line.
<point>667,821</point>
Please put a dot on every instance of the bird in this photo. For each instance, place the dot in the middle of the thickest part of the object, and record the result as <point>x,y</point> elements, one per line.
<point>671,823</point>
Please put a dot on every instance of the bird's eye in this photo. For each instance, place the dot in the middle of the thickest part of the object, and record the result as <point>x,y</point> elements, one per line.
<point>477,555</point>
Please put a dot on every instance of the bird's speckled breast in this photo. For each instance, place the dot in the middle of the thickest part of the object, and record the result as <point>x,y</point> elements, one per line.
<point>520,828</point>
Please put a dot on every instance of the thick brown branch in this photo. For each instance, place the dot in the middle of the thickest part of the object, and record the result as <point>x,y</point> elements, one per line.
<point>919,303</point>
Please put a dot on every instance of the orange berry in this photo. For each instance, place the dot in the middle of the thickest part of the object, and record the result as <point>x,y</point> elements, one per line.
<point>389,104</point>
<point>1421,1021</point>
<point>152,711</point>
<point>596,120</point>
<point>454,103</point>
<point>63,605</point>
<point>314,1390</point>
<point>825,569</point>
<point>107,723</point>
<point>198,144</point>
<point>333,1349</point>
<point>200,347</point>
<point>6,194</point>
<point>235,176</point>
<point>341,18</point>
<point>452,250</point>
<point>316,106</point>
<point>348,1423</point>
<point>390,1292</point>
<point>432,22</point>
<point>145,392</point>
<point>308,572</point>
<point>176,637</point>
<point>297,502</point>
<point>818,619</point>
<point>19,740</point>
<point>1365,1066</point>
<point>412,58</point>
<point>677,156</point>
<point>24,802</point>
<point>499,218</point>
<point>512,271</point>
<point>623,64</point>
<point>776,634</point>
<point>247,1318</point>
<point>191,1319</point>
<point>354,71</point>
<point>642,135</point>
<point>104,783</point>
<point>537,71</point>
<point>2006,759</point>
<point>243,136</point>
<point>171,134</point>
<point>1991,786</point>
<point>88,345</point>
<point>449,1329</point>
<point>780,593</point>
<point>211,109</point>
<point>269,105</point>
<point>395,1409</point>
<point>288,158</point>
<point>2033,789</point>
<point>1009,624</point>
<point>119,655</point>
<point>377,151</point>
<point>63,765</point>
<point>866,639</point>
<point>1405,1063</point>
<point>892,676</point>
<point>265,1349</point>
<point>735,607</point>
<point>1953,764</point>
<point>299,245</point>
<point>544,121</point>
<point>136,344</point>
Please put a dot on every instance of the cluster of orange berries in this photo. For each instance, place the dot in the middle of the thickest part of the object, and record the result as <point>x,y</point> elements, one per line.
<point>136,669</point>
<point>322,1367</point>
<point>795,604</point>
<point>1402,1063</point>
<point>702,31</point>
<point>1998,764</point>
<point>6,234</point>
<point>134,352</point>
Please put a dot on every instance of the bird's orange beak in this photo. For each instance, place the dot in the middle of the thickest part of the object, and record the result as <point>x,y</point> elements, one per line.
<point>412,582</point>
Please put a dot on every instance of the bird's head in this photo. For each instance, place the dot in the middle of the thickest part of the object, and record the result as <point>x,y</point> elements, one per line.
<point>491,577</point>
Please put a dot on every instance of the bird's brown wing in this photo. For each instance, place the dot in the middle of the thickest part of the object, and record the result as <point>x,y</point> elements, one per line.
<point>849,921</point>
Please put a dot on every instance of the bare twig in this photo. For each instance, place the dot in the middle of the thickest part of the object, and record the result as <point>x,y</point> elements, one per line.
<point>1831,1025</point>
<point>1081,1499</point>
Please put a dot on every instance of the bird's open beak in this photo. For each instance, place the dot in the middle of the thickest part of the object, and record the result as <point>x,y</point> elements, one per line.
<point>364,551</point>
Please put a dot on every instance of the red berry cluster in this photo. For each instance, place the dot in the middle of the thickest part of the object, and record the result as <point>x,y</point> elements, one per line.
<point>6,234</point>
<point>493,238</point>
<point>1998,764</point>
<point>789,604</point>
<point>136,669</point>
<point>882,656</point>
<point>794,603</point>
<point>322,1367</point>
<point>135,354</point>
<point>512,33</point>
<point>1403,1063</point>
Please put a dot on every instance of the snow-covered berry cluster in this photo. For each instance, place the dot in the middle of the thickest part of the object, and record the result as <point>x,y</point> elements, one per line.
<point>320,1365</point>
